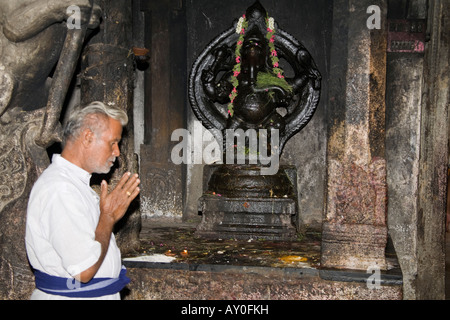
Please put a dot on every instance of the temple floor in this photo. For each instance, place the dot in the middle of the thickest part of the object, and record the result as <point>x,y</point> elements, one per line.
<point>177,240</point>
<point>172,263</point>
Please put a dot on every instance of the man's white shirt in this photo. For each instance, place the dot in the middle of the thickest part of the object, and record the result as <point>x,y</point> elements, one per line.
<point>62,215</point>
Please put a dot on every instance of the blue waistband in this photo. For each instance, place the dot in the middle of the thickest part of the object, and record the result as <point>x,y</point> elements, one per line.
<point>70,287</point>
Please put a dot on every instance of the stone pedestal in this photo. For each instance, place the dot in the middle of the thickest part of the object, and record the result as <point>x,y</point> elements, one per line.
<point>246,218</point>
<point>239,203</point>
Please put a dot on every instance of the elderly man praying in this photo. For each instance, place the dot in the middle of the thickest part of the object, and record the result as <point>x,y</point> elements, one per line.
<point>69,239</point>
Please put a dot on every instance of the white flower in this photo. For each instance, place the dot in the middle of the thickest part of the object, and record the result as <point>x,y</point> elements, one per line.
<point>271,24</point>
<point>239,25</point>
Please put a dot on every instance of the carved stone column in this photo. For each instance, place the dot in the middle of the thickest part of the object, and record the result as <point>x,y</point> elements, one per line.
<point>431,198</point>
<point>107,75</point>
<point>354,230</point>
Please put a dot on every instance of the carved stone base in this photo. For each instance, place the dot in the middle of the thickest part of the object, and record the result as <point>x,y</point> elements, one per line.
<point>241,203</point>
<point>353,246</point>
<point>246,218</point>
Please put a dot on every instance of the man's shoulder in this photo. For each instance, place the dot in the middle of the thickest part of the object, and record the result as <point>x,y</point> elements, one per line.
<point>54,178</point>
<point>53,172</point>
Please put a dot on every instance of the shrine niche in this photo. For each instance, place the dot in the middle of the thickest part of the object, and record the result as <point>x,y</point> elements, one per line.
<point>238,88</point>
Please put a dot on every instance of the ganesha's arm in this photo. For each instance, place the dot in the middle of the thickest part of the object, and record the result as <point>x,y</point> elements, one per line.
<point>209,84</point>
<point>307,70</point>
<point>280,95</point>
<point>299,82</point>
<point>217,90</point>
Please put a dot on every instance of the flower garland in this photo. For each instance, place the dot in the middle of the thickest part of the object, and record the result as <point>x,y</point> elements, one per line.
<point>273,53</point>
<point>241,27</point>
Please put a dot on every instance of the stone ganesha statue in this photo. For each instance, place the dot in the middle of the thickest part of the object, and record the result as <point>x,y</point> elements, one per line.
<point>242,70</point>
<point>257,80</point>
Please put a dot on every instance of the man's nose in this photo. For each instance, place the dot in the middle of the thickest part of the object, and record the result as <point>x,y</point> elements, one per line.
<point>116,150</point>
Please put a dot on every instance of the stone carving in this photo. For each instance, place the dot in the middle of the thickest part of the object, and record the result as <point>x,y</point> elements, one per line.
<point>38,55</point>
<point>263,104</point>
<point>13,165</point>
<point>255,77</point>
<point>161,194</point>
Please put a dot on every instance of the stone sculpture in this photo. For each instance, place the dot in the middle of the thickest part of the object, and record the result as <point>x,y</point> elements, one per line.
<point>39,52</point>
<point>255,77</point>
<point>256,104</point>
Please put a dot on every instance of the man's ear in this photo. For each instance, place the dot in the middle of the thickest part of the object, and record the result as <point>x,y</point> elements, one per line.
<point>87,137</point>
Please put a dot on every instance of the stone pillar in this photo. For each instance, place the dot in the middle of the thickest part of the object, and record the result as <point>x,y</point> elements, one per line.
<point>432,175</point>
<point>403,114</point>
<point>354,230</point>
<point>107,75</point>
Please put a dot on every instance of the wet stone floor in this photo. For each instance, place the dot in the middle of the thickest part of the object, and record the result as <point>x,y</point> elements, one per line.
<point>178,243</point>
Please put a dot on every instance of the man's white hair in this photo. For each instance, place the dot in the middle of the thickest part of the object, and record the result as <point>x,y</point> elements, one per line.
<point>92,116</point>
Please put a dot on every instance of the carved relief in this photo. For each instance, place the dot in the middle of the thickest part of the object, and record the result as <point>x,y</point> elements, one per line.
<point>13,173</point>
<point>357,193</point>
<point>242,70</point>
<point>161,194</point>
<point>38,56</point>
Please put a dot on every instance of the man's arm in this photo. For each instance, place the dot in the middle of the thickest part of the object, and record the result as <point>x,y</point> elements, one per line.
<point>112,208</point>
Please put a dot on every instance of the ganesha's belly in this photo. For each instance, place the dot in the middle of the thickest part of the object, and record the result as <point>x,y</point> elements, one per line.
<point>254,108</point>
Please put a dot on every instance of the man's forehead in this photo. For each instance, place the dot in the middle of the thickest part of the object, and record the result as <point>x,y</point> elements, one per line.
<point>116,126</point>
<point>112,129</point>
